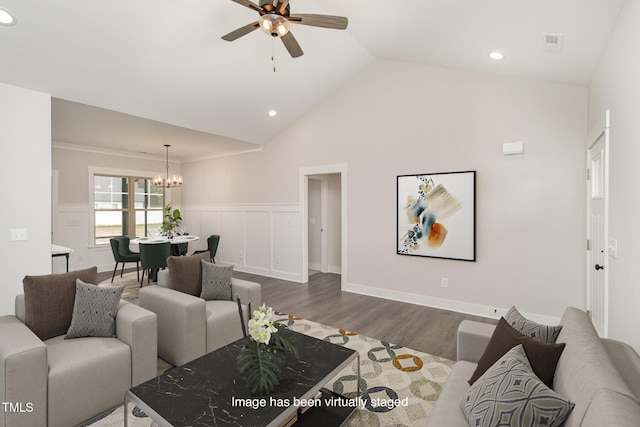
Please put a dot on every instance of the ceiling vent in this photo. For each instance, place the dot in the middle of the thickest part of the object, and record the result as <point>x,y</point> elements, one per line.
<point>553,42</point>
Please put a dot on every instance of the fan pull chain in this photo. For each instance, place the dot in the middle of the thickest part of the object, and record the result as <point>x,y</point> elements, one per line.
<point>273,53</point>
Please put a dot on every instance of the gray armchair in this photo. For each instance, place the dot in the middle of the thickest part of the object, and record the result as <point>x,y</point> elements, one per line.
<point>188,326</point>
<point>69,381</point>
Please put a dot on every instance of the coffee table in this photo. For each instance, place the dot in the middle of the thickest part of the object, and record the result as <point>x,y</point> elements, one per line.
<point>208,391</point>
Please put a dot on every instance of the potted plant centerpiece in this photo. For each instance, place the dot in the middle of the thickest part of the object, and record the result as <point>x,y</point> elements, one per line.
<point>262,359</point>
<point>171,222</point>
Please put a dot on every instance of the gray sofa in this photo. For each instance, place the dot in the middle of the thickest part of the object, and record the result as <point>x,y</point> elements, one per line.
<point>60,382</point>
<point>188,326</point>
<point>601,376</point>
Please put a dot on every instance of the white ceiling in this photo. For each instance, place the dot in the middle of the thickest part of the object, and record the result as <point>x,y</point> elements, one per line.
<point>163,61</point>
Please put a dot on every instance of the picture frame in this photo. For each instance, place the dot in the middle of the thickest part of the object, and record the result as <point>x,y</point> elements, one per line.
<point>436,215</point>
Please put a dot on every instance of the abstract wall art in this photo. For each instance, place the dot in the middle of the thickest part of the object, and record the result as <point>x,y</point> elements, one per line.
<point>437,215</point>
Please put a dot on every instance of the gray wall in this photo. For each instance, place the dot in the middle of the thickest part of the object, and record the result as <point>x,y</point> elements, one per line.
<point>399,118</point>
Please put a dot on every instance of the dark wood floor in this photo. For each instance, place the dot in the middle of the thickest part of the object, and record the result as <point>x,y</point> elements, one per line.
<point>321,300</point>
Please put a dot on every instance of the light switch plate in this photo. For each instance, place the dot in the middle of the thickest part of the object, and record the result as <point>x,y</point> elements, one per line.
<point>613,247</point>
<point>18,234</point>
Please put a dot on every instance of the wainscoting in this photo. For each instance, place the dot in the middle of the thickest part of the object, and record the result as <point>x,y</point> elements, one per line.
<point>258,239</point>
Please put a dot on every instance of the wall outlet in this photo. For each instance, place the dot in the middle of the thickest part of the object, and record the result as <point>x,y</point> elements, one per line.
<point>444,282</point>
<point>278,260</point>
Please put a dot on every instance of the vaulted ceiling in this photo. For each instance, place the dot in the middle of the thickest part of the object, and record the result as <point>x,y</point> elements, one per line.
<point>134,75</point>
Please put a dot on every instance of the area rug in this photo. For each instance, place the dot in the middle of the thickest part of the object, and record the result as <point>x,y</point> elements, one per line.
<point>389,373</point>
<point>130,282</point>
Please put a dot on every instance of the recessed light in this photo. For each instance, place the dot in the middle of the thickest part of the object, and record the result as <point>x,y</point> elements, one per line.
<point>272,113</point>
<point>496,55</point>
<point>7,18</point>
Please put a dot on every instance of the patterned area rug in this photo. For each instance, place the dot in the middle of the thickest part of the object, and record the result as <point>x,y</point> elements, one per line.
<point>388,373</point>
<point>130,282</point>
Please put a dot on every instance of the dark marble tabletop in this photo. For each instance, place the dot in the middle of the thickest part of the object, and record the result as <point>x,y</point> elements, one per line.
<point>209,392</point>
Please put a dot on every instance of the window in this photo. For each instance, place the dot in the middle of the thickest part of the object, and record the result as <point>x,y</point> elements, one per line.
<point>126,206</point>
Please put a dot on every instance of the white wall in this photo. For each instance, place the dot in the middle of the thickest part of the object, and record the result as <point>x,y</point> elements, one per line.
<point>334,223</point>
<point>315,223</point>
<point>616,86</point>
<point>398,118</point>
<point>25,167</point>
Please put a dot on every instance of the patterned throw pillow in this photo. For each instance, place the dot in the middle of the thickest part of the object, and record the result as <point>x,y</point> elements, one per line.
<point>216,281</point>
<point>532,329</point>
<point>94,311</point>
<point>510,394</point>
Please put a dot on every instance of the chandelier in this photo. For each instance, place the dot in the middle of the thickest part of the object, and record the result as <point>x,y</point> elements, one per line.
<point>168,182</point>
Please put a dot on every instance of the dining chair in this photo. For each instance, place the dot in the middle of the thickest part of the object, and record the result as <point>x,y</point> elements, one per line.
<point>122,254</point>
<point>153,256</point>
<point>212,246</point>
<point>183,248</point>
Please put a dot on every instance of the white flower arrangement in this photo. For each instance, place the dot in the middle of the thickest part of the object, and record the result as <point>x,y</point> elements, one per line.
<point>262,358</point>
<point>260,326</point>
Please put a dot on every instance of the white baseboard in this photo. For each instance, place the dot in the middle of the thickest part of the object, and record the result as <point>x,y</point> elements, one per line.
<point>330,269</point>
<point>446,304</point>
<point>292,277</point>
<point>335,269</point>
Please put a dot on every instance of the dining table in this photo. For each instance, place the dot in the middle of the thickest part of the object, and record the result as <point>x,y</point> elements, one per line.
<point>151,240</point>
<point>134,245</point>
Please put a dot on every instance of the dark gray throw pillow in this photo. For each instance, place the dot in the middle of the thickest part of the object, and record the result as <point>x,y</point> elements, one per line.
<point>530,328</point>
<point>216,281</point>
<point>48,301</point>
<point>542,356</point>
<point>185,273</point>
<point>94,311</point>
<point>510,394</point>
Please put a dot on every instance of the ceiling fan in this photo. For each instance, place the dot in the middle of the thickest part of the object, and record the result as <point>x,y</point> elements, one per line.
<point>276,21</point>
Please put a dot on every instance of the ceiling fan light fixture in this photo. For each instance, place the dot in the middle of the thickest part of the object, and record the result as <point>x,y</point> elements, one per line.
<point>274,24</point>
<point>7,18</point>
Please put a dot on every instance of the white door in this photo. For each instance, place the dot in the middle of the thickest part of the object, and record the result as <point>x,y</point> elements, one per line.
<point>598,226</point>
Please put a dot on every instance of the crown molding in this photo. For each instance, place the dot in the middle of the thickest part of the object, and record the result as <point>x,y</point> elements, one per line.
<point>221,156</point>
<point>109,151</point>
<point>145,156</point>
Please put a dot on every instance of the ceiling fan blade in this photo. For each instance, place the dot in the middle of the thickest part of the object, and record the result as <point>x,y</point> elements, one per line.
<point>242,31</point>
<point>292,45</point>
<point>324,21</point>
<point>250,5</point>
<point>283,7</point>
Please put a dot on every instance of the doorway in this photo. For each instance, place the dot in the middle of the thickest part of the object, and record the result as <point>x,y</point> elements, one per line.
<point>323,209</point>
<point>324,223</point>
